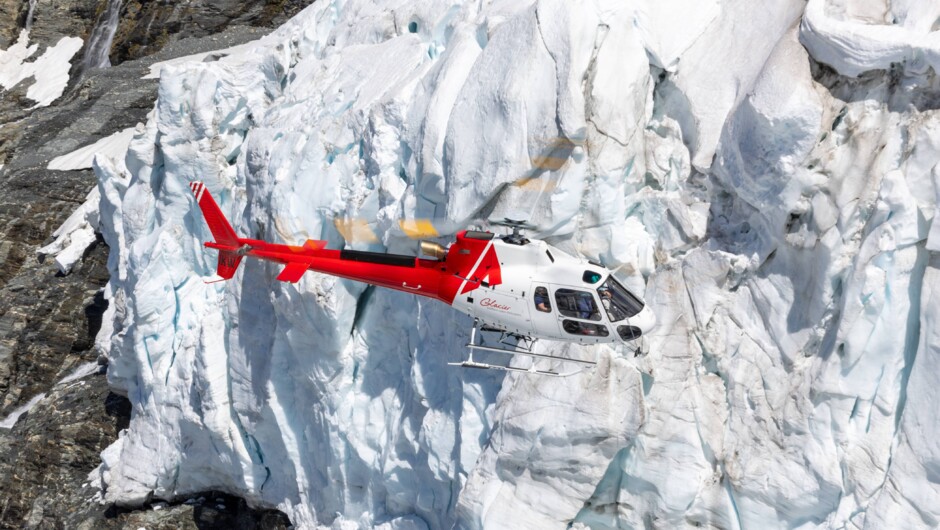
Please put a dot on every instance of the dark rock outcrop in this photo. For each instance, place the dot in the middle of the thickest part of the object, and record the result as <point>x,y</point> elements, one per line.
<point>51,20</point>
<point>146,27</point>
<point>143,28</point>
<point>48,321</point>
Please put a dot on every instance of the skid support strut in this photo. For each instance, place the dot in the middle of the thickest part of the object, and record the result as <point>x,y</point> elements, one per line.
<point>523,347</point>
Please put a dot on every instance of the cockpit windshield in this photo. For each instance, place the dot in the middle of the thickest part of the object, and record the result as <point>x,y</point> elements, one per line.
<point>618,301</point>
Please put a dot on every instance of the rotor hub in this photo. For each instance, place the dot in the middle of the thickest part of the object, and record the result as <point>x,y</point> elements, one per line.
<point>517,226</point>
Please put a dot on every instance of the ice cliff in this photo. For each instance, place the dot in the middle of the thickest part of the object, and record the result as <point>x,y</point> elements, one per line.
<point>766,173</point>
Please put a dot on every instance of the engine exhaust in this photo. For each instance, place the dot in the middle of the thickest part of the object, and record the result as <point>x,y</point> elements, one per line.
<point>433,250</point>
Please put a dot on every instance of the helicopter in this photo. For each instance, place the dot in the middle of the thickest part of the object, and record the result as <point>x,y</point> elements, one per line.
<point>519,289</point>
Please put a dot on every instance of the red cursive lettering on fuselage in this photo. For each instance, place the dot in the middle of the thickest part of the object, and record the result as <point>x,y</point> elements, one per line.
<point>489,302</point>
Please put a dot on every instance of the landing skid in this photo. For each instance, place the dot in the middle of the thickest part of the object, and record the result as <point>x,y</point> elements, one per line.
<point>523,347</point>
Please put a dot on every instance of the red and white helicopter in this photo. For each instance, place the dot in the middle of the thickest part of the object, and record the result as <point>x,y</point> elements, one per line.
<point>520,289</point>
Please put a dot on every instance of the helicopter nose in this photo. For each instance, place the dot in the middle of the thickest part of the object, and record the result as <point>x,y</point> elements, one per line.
<point>645,320</point>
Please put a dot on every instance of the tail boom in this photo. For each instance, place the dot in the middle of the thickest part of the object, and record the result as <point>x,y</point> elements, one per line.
<point>233,248</point>
<point>403,273</point>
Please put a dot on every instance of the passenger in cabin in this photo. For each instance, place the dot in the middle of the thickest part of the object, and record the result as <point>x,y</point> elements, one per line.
<point>605,297</point>
<point>541,300</point>
<point>617,306</point>
<point>586,307</point>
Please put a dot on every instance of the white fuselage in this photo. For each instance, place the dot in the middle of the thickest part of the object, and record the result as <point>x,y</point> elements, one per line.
<point>546,293</point>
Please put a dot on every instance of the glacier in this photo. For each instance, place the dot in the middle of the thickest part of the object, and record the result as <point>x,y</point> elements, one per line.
<point>765,175</point>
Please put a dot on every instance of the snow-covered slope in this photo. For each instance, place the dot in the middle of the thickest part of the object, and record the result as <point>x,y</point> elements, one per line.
<point>46,76</point>
<point>775,212</point>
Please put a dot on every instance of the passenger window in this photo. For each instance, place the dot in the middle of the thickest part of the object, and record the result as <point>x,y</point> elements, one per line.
<point>577,304</point>
<point>584,328</point>
<point>542,302</point>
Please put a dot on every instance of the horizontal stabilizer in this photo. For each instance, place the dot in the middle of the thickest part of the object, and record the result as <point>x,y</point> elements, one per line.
<point>314,244</point>
<point>293,271</point>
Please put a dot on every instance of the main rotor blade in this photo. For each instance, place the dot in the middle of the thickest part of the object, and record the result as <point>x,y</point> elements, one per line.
<point>360,230</point>
<point>418,228</point>
<point>355,230</point>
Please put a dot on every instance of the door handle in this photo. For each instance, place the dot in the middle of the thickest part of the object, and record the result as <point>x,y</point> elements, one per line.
<point>406,286</point>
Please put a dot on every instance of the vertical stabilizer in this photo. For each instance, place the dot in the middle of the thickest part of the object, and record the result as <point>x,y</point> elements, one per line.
<point>228,264</point>
<point>221,229</point>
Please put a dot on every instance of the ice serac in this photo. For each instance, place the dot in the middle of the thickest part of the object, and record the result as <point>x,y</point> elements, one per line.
<point>916,458</point>
<point>853,45</point>
<point>719,69</point>
<point>776,214</point>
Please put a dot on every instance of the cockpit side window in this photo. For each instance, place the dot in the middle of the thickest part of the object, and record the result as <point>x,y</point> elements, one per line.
<point>542,302</point>
<point>618,301</point>
<point>577,304</point>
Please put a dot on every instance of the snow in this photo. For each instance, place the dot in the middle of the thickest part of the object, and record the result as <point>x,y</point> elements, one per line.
<point>50,71</point>
<point>157,68</point>
<point>75,235</point>
<point>777,218</point>
<point>78,232</point>
<point>11,418</point>
<point>11,61</point>
<point>113,146</point>
<point>80,372</point>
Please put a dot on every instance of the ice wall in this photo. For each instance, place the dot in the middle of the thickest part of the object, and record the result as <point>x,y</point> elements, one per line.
<point>775,212</point>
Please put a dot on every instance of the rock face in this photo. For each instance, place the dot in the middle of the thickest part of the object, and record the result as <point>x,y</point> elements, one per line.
<point>48,321</point>
<point>140,28</point>
<point>145,27</point>
<point>45,457</point>
<point>773,198</point>
<point>48,20</point>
